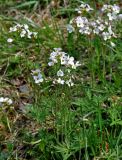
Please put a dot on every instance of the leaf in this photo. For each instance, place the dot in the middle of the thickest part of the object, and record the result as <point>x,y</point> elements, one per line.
<point>26,4</point>
<point>117,122</point>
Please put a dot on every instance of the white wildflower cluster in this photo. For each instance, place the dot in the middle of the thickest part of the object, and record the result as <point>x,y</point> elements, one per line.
<point>5,101</point>
<point>84,8</point>
<point>37,76</point>
<point>67,64</point>
<point>112,11</point>
<point>84,25</point>
<point>64,65</point>
<point>23,30</point>
<point>58,56</point>
<point>102,25</point>
<point>103,28</point>
<point>64,77</point>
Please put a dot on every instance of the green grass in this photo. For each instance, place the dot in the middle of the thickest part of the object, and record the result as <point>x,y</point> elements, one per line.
<point>54,122</point>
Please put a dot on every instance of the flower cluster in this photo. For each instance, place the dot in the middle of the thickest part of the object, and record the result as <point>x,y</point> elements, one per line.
<point>4,101</point>
<point>58,56</point>
<point>111,11</point>
<point>66,63</point>
<point>83,24</point>
<point>98,25</point>
<point>23,30</point>
<point>84,8</point>
<point>37,76</point>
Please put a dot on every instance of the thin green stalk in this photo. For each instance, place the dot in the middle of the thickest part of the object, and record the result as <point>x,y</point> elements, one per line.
<point>104,62</point>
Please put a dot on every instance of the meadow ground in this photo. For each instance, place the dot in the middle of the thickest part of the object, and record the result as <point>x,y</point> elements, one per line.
<point>60,80</point>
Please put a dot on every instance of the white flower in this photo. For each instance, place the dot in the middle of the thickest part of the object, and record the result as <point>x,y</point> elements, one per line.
<point>63,60</point>
<point>13,29</point>
<point>111,16</point>
<point>81,21</point>
<point>23,31</point>
<point>9,101</point>
<point>112,10</point>
<point>116,9</point>
<point>57,49</point>
<point>50,64</point>
<point>53,54</point>
<point>70,28</point>
<point>35,34</point>
<point>66,62</point>
<point>68,70</point>
<point>84,25</point>
<point>25,26</point>
<point>101,27</point>
<point>110,30</point>
<point>77,64</point>
<point>98,21</point>
<point>93,23</point>
<point>87,30</point>
<point>106,36</point>
<point>9,40</point>
<point>22,34</point>
<point>60,73</point>
<point>84,7</point>
<point>19,25</point>
<point>112,44</point>
<point>60,81</point>
<point>37,76</point>
<point>96,31</point>
<point>1,99</point>
<point>105,6</point>
<point>29,34</point>
<point>69,83</point>
<point>106,23</point>
<point>120,16</point>
<point>70,61</point>
<point>5,100</point>
<point>56,55</point>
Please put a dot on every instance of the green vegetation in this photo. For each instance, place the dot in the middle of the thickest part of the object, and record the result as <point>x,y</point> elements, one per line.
<point>48,120</point>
